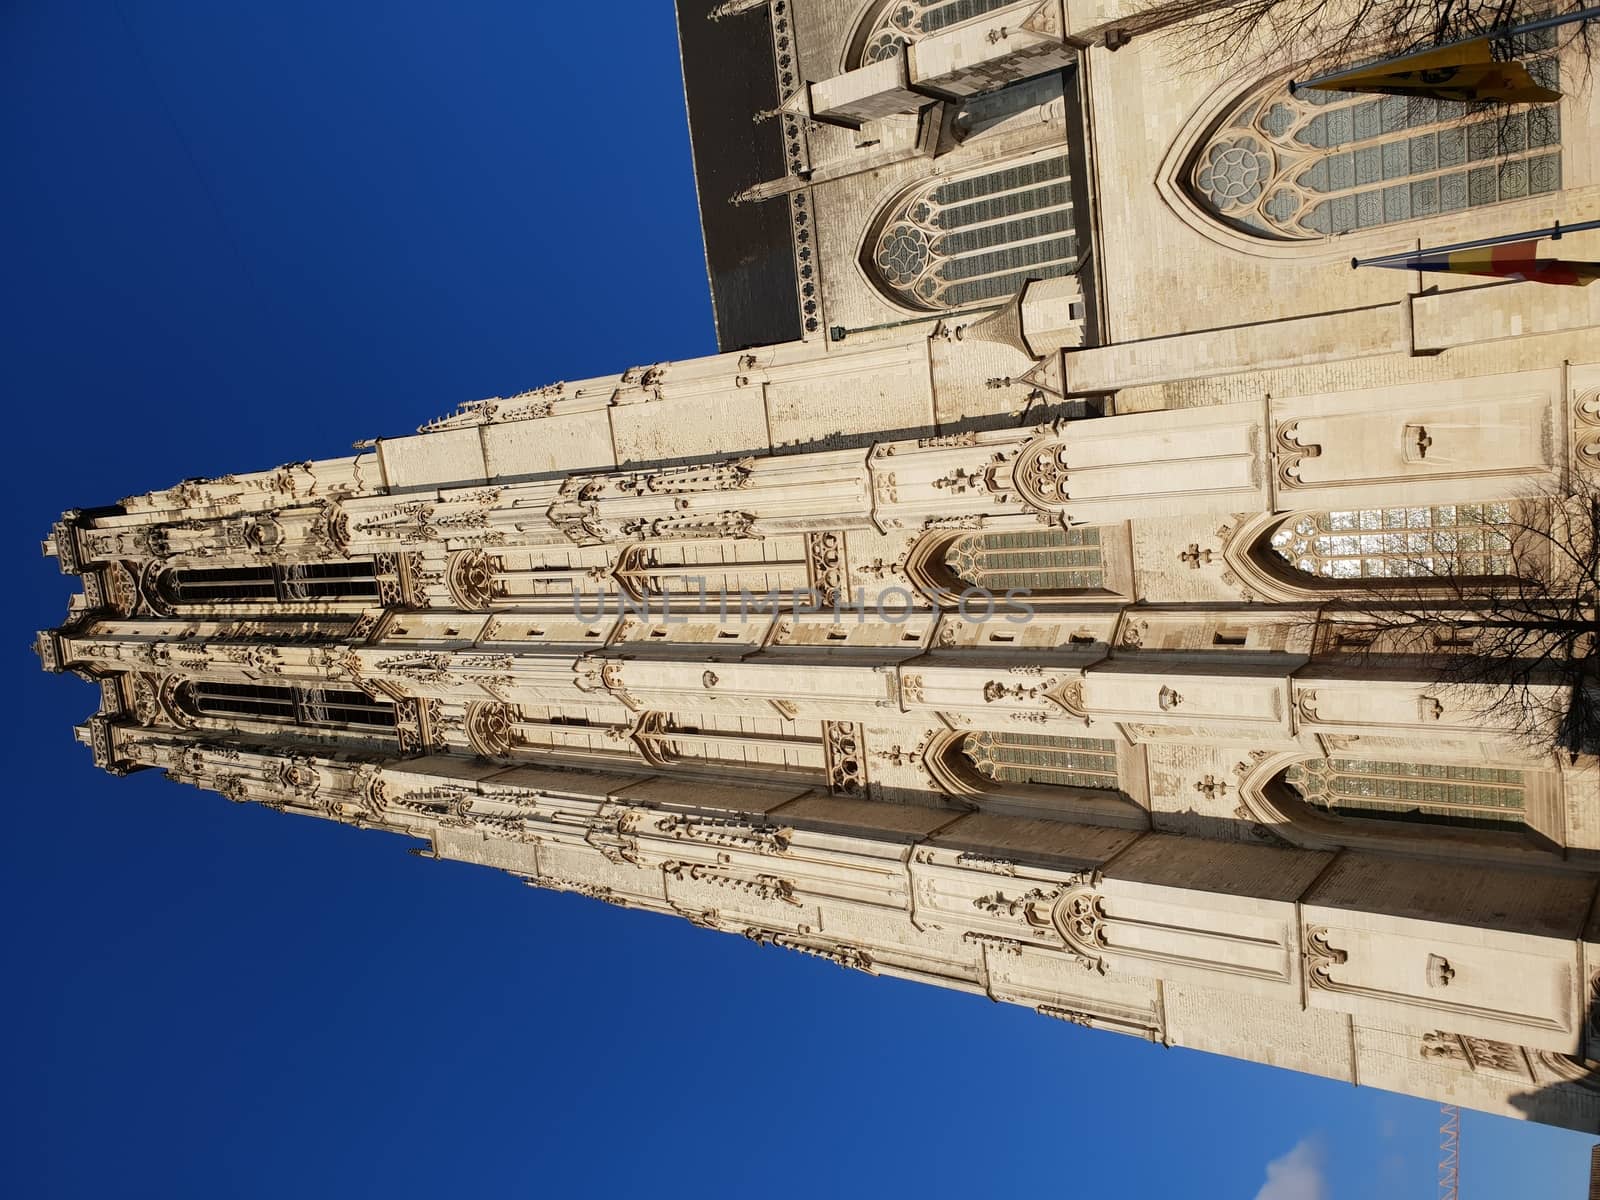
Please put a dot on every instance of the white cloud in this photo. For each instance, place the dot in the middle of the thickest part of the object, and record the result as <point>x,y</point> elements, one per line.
<point>1297,1175</point>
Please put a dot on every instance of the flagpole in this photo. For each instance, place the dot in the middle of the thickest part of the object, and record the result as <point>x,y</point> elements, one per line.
<point>1583,14</point>
<point>1554,232</point>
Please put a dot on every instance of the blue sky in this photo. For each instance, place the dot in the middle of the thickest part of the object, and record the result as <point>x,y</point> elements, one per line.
<point>243,235</point>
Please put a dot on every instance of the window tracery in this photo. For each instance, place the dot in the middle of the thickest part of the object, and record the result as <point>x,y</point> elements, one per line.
<point>316,707</point>
<point>1428,793</point>
<point>1312,164</point>
<point>1035,560</point>
<point>901,22</point>
<point>354,579</point>
<point>1057,777</point>
<point>1033,759</point>
<point>962,241</point>
<point>1470,540</point>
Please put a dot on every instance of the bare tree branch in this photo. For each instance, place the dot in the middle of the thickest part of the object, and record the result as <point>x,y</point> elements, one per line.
<point>1519,649</point>
<point>1318,35</point>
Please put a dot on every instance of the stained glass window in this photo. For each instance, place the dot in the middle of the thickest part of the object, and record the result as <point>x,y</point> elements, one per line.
<point>902,22</point>
<point>324,707</point>
<point>1399,543</point>
<point>1035,560</point>
<point>352,580</point>
<point>1041,759</point>
<point>1319,163</point>
<point>980,237</point>
<point>1427,792</point>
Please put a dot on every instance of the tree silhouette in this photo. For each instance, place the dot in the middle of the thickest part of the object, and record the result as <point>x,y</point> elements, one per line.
<point>1519,646</point>
<point>1315,35</point>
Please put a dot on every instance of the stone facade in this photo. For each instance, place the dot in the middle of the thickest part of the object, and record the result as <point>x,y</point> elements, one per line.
<point>715,637</point>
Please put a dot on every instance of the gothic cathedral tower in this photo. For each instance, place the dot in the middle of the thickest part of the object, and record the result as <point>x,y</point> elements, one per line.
<point>1002,608</point>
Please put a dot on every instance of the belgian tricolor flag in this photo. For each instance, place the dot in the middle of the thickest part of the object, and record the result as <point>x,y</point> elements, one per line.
<point>1508,260</point>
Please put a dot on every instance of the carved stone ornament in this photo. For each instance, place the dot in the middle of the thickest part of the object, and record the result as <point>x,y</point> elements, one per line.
<point>1290,452</point>
<point>1035,908</point>
<point>171,693</point>
<point>612,833</point>
<point>762,837</point>
<point>299,777</point>
<point>1321,958</point>
<point>1079,916</point>
<point>489,729</point>
<point>825,565</point>
<point>839,953</point>
<point>464,518</point>
<point>232,786</point>
<point>470,576</point>
<point>1586,429</point>
<point>418,726</point>
<point>846,769</point>
<point>1476,1054</point>
<point>761,886</point>
<point>147,709</point>
<point>1439,972</point>
<point>727,524</point>
<point>1040,474</point>
<point>372,790</point>
<point>729,475</point>
<point>419,668</point>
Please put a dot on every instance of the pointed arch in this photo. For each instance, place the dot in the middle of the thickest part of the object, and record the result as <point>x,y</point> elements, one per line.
<point>1310,553</point>
<point>956,241</point>
<point>340,581</point>
<point>1083,779</point>
<point>226,704</point>
<point>1047,562</point>
<point>1278,174</point>
<point>1401,806</point>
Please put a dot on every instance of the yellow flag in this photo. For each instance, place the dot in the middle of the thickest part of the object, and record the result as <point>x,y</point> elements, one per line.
<point>1466,71</point>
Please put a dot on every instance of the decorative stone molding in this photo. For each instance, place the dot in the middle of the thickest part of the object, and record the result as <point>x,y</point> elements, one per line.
<point>1586,429</point>
<point>762,886</point>
<point>729,475</point>
<point>1321,958</point>
<point>470,577</point>
<point>463,519</point>
<point>840,954</point>
<point>418,726</point>
<point>730,833</point>
<point>1478,1055</point>
<point>1040,475</point>
<point>846,766</point>
<point>489,729</point>
<point>825,566</point>
<point>1079,916</point>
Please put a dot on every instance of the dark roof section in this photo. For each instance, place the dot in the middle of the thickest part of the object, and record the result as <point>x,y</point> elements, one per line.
<point>729,76</point>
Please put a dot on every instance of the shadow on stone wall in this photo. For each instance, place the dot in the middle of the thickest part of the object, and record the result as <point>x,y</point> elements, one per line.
<point>1572,1102</point>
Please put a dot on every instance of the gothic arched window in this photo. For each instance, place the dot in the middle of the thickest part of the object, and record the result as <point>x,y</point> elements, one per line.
<point>896,24</point>
<point>1428,793</point>
<point>1457,540</point>
<point>309,706</point>
<point>1033,560</point>
<point>267,584</point>
<point>1305,166</point>
<point>1046,562</point>
<point>1055,776</point>
<point>977,237</point>
<point>760,745</point>
<point>1036,759</point>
